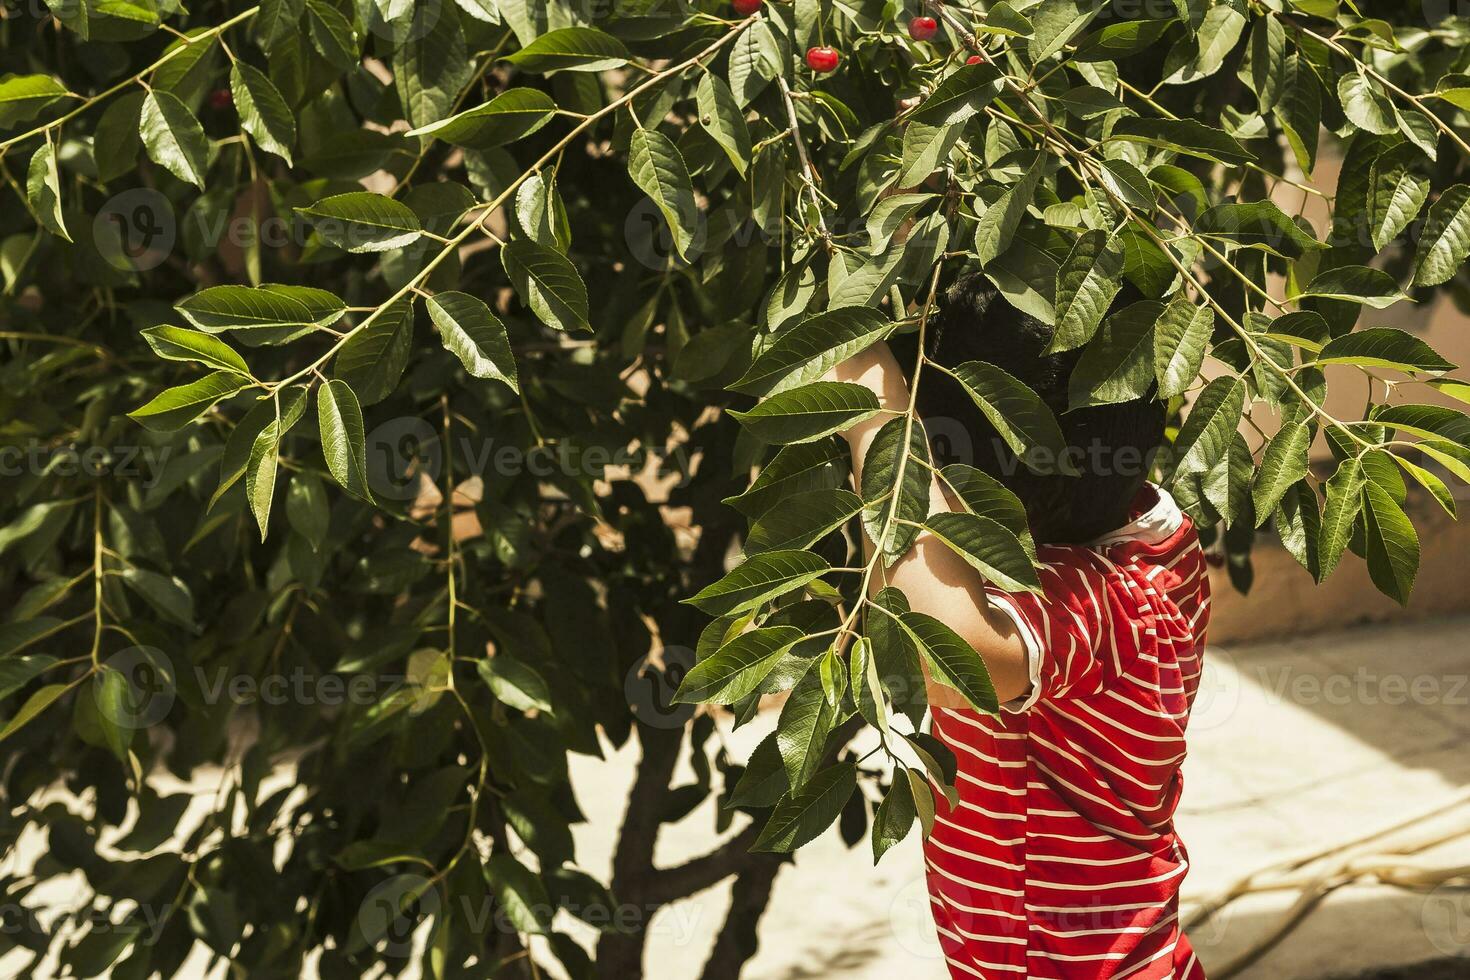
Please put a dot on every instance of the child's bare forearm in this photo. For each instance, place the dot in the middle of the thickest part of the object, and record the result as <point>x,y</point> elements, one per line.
<point>935,579</point>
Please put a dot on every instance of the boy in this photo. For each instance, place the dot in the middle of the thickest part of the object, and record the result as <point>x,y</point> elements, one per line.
<point>1061,859</point>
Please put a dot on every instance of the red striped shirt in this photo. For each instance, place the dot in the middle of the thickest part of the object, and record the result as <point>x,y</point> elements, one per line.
<point>1061,860</point>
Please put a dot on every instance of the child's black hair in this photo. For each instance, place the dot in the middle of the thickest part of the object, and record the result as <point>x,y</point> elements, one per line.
<point>1112,445</point>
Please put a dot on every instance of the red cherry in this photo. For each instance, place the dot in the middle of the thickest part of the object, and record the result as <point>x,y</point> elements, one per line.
<point>747,7</point>
<point>975,59</point>
<point>822,59</point>
<point>221,98</point>
<point>923,28</point>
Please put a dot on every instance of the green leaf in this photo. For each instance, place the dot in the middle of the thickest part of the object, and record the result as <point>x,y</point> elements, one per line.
<point>33,706</point>
<point>1384,347</point>
<point>1397,190</point>
<point>764,781</point>
<point>1355,284</point>
<point>1087,281</point>
<point>175,408</point>
<point>1436,487</point>
<point>758,580</point>
<point>165,593</point>
<point>722,118</point>
<point>373,359</point>
<point>260,472</point>
<point>1205,438</point>
<point>1218,34</point>
<point>173,137</point>
<point>989,547</point>
<point>795,469</point>
<point>1454,89</point>
<point>1128,184</point>
<point>1055,23</point>
<point>117,140</point>
<point>890,215</point>
<point>264,113</point>
<point>1089,102</point>
<point>866,686</point>
<point>360,221</point>
<point>474,335</point>
<point>32,520</point>
<point>339,419</point>
<point>985,496</point>
<point>1392,544</point>
<point>548,283</point>
<point>808,350</point>
<point>1258,224</point>
<point>800,817</point>
<point>431,68</point>
<point>1285,463</point>
<point>960,96</point>
<point>1020,416</point>
<point>737,669</point>
<point>1183,136</point>
<point>292,402</point>
<point>112,696</point>
<point>1344,502</point>
<point>43,190</point>
<point>1120,40</point>
<point>519,894</point>
<point>307,510</point>
<point>17,672</point>
<point>807,719</point>
<point>1118,365</point>
<point>755,60</point>
<point>1267,56</point>
<point>332,34</point>
<point>951,661</point>
<point>925,150</point>
<point>542,213</point>
<point>997,226</point>
<point>1445,241</point>
<point>514,683</point>
<point>887,491</point>
<point>23,96</point>
<point>570,49</point>
<point>512,115</point>
<point>1299,112</point>
<point>802,520</point>
<point>895,816</point>
<point>658,169</point>
<point>17,636</point>
<point>1003,19</point>
<point>271,308</point>
<point>808,413</point>
<point>1366,104</point>
<point>179,344</point>
<point>1180,338</point>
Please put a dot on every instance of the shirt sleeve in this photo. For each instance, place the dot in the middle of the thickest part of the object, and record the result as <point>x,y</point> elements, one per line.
<point>1071,633</point>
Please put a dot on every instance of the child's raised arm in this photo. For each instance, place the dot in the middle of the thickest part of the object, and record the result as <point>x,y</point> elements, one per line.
<point>935,580</point>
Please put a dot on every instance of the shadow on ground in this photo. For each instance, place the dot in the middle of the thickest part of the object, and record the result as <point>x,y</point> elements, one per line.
<point>1451,969</point>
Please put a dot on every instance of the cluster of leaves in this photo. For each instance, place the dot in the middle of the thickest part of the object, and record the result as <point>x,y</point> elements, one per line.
<point>403,213</point>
